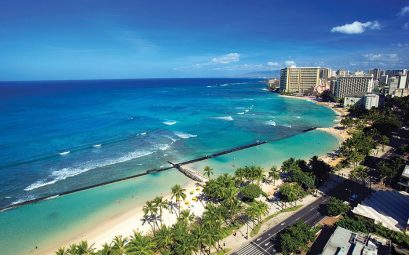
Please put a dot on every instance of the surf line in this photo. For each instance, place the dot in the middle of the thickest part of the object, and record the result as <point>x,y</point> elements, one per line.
<point>151,171</point>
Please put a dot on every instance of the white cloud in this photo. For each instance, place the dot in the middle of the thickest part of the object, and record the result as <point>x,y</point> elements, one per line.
<point>357,27</point>
<point>406,26</point>
<point>272,63</point>
<point>391,57</point>
<point>290,63</point>
<point>404,10</point>
<point>226,59</point>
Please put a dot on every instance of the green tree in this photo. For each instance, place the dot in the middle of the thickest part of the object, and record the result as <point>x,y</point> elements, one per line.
<point>119,245</point>
<point>208,171</point>
<point>250,192</point>
<point>106,250</point>
<point>62,251</point>
<point>161,204</point>
<point>178,193</point>
<point>336,207</point>
<point>274,174</point>
<point>360,173</point>
<point>295,238</point>
<point>163,238</point>
<point>140,245</point>
<point>291,192</point>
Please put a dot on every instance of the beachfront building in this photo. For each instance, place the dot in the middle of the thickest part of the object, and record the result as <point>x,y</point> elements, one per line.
<point>371,101</point>
<point>301,80</point>
<point>273,84</point>
<point>353,85</point>
<point>350,101</point>
<point>367,101</point>
<point>344,241</point>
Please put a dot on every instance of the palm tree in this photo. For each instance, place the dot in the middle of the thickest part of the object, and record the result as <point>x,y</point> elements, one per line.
<point>178,193</point>
<point>151,209</point>
<point>84,249</point>
<point>106,250</point>
<point>140,245</point>
<point>62,251</point>
<point>119,245</point>
<point>200,235</point>
<point>360,173</point>
<point>163,238</point>
<point>208,171</point>
<point>274,174</point>
<point>161,204</point>
<point>186,215</point>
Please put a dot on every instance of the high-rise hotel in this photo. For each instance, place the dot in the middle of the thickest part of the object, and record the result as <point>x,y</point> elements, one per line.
<point>300,80</point>
<point>353,85</point>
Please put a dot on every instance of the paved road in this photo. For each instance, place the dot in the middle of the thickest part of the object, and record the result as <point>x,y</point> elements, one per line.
<point>264,244</point>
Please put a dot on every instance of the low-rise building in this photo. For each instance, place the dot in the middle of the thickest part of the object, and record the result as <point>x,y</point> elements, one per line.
<point>368,101</point>
<point>390,208</point>
<point>344,241</point>
<point>350,101</point>
<point>371,101</point>
<point>273,84</point>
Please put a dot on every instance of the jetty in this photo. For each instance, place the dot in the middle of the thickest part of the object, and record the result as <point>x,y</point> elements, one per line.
<point>190,173</point>
<point>194,175</point>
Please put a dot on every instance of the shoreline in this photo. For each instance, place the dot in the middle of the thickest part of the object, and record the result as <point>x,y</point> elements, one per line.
<point>125,222</point>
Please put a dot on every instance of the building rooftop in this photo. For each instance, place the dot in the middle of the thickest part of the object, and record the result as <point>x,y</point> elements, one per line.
<point>344,241</point>
<point>405,172</point>
<point>387,207</point>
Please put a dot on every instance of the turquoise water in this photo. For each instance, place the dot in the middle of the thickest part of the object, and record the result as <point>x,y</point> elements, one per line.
<point>111,129</point>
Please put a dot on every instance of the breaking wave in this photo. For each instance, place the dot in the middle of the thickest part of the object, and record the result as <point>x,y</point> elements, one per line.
<point>170,122</point>
<point>184,135</point>
<point>227,118</point>
<point>271,123</point>
<point>67,172</point>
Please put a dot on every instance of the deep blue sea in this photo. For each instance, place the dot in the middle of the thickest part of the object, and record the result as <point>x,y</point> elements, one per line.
<point>61,135</point>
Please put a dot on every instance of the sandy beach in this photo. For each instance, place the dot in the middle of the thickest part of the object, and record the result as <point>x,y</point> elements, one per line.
<point>125,223</point>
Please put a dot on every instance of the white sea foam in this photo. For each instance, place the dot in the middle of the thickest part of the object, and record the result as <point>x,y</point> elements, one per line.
<point>171,138</point>
<point>97,145</point>
<point>21,200</point>
<point>286,125</point>
<point>224,85</point>
<point>169,122</point>
<point>241,113</point>
<point>227,118</point>
<point>271,123</point>
<point>247,110</point>
<point>143,133</point>
<point>164,147</point>
<point>64,153</point>
<point>298,117</point>
<point>67,172</point>
<point>264,89</point>
<point>184,135</point>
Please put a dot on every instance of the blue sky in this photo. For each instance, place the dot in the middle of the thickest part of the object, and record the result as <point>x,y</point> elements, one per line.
<point>99,39</point>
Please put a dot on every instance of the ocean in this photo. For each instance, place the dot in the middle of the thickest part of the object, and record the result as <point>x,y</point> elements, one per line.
<point>62,135</point>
